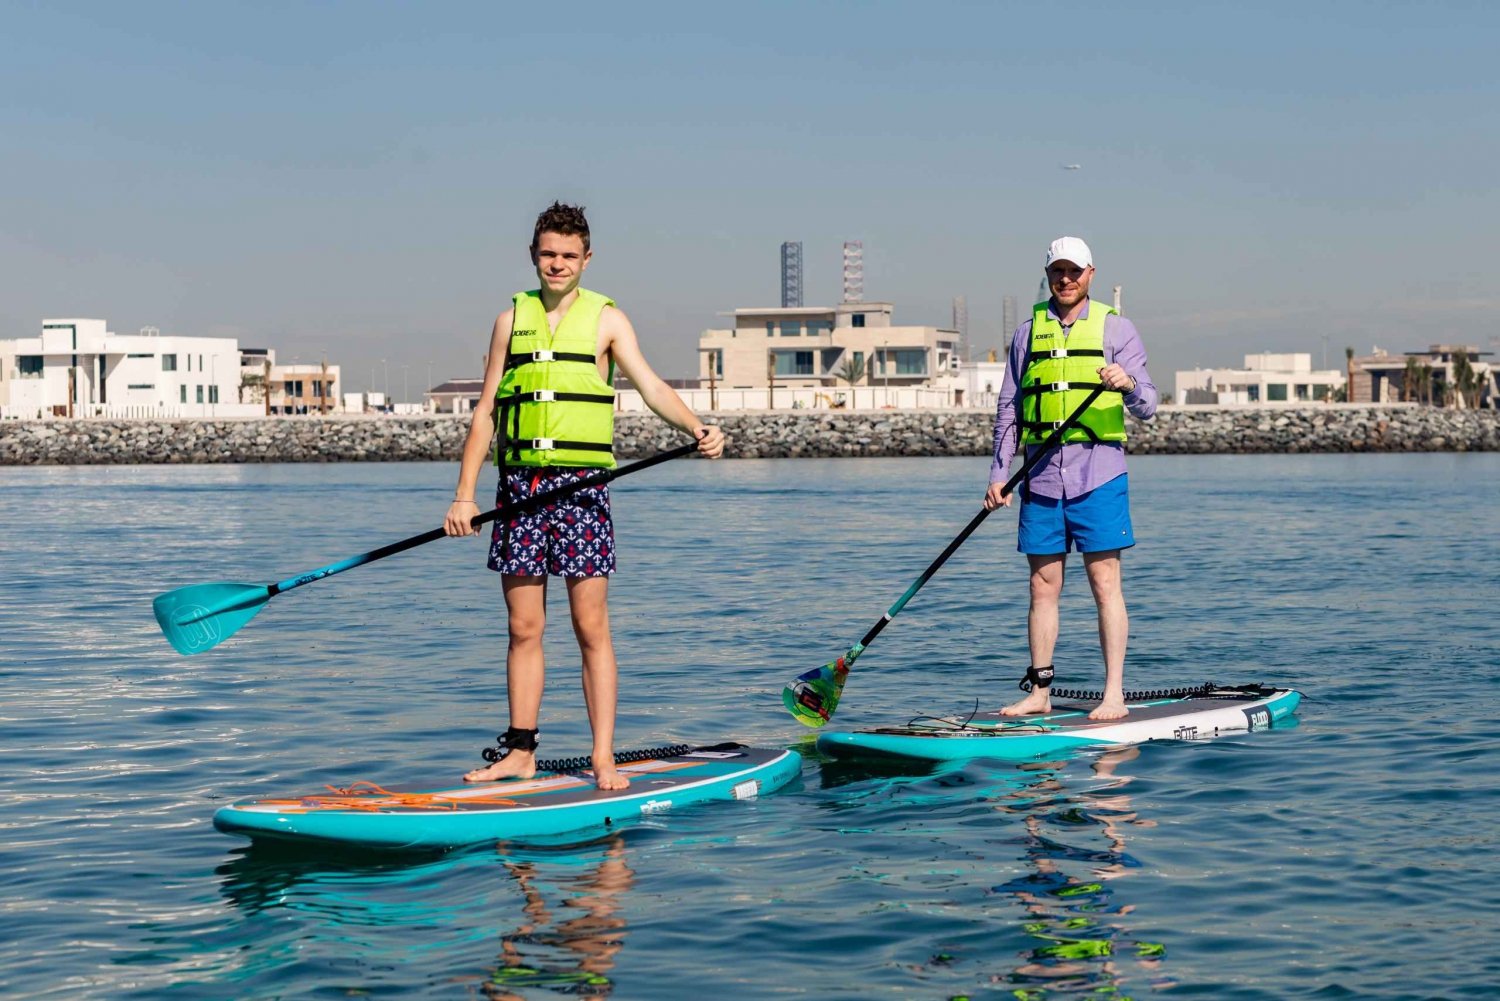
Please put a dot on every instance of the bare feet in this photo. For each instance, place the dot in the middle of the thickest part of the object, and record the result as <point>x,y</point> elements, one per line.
<point>1036,701</point>
<point>1110,708</point>
<point>606,776</point>
<point>515,765</point>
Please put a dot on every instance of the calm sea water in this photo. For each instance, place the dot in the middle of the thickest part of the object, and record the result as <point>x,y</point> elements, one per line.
<point>1352,855</point>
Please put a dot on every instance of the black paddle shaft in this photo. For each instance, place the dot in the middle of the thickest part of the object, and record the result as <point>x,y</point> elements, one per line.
<point>507,510</point>
<point>1032,460</point>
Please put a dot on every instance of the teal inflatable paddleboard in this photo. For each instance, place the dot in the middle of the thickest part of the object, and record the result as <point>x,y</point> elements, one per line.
<point>1210,711</point>
<point>367,815</point>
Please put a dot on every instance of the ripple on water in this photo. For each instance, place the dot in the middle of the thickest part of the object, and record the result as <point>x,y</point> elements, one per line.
<point>1346,856</point>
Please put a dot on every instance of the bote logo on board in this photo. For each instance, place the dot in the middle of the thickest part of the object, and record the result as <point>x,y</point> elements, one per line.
<point>1259,719</point>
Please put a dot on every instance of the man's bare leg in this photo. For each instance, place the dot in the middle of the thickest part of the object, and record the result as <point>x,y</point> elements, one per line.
<point>525,671</point>
<point>1114,629</point>
<point>589,599</point>
<point>1041,627</point>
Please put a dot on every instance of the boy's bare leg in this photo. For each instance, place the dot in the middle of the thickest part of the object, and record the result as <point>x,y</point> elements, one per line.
<point>1041,627</point>
<point>525,671</point>
<point>1114,629</point>
<point>589,600</point>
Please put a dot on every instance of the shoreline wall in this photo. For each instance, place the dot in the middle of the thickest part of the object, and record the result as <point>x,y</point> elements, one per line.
<point>753,434</point>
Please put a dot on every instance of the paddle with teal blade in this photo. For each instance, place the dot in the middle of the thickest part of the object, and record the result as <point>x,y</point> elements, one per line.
<point>813,696</point>
<point>201,616</point>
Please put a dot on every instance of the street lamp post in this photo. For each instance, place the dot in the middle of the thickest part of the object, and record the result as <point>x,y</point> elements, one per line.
<point>885,373</point>
<point>713,391</point>
<point>404,386</point>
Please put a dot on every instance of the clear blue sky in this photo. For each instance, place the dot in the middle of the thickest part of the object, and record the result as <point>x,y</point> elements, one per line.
<point>360,178</point>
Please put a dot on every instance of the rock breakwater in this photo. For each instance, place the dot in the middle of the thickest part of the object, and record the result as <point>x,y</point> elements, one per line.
<point>793,433</point>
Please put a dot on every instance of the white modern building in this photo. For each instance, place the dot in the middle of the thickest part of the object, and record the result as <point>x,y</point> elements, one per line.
<point>1266,378</point>
<point>79,368</point>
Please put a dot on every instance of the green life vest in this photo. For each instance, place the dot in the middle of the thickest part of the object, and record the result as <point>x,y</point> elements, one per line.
<point>552,408</point>
<point>1060,371</point>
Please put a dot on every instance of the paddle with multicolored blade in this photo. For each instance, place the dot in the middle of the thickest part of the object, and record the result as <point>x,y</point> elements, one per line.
<point>813,697</point>
<point>201,616</point>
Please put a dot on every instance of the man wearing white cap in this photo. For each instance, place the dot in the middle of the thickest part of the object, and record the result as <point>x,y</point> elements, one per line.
<point>1078,497</point>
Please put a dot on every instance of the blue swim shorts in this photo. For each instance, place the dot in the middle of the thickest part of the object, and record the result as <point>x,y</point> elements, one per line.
<point>574,536</point>
<point>1096,522</point>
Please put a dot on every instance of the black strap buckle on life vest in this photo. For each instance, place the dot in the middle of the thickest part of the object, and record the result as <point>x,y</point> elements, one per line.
<point>1046,427</point>
<point>1063,353</point>
<point>1038,388</point>
<point>546,354</point>
<point>513,739</point>
<point>1037,677</point>
<point>549,395</point>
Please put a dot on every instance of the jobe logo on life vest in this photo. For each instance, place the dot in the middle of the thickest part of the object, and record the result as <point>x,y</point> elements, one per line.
<point>523,333</point>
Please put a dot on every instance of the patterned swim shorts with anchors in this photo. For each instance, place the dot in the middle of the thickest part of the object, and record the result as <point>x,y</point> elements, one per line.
<point>574,536</point>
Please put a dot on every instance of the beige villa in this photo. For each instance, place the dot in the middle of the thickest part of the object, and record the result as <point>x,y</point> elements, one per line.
<point>823,353</point>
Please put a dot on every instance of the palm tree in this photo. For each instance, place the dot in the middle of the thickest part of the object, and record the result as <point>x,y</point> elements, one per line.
<point>1465,380</point>
<point>1409,383</point>
<point>1349,374</point>
<point>249,380</point>
<point>852,370</point>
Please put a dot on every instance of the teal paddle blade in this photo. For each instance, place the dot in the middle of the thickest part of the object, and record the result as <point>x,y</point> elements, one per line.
<point>199,618</point>
<point>813,697</point>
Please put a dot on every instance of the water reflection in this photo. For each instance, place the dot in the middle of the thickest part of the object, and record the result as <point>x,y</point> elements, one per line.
<point>346,887</point>
<point>1082,942</point>
<point>562,928</point>
<point>569,955</point>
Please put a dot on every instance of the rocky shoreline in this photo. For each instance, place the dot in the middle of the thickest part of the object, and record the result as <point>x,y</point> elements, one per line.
<point>752,434</point>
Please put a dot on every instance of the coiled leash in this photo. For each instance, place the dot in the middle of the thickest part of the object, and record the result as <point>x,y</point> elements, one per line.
<point>527,741</point>
<point>1041,677</point>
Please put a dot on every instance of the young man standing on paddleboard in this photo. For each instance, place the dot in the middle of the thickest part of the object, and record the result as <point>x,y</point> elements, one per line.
<point>1078,497</point>
<point>548,394</point>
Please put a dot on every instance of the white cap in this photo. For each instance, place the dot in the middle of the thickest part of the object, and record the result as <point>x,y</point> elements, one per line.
<point>1069,248</point>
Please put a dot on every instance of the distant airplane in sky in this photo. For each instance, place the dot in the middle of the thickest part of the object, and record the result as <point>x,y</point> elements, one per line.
<point>1072,166</point>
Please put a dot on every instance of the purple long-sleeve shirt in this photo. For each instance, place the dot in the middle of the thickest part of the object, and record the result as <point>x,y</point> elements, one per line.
<point>1079,467</point>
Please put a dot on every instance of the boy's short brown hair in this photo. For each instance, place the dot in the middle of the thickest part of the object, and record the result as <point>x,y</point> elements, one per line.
<point>567,220</point>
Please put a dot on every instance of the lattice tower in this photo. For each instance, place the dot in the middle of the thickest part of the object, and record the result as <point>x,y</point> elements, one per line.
<point>791,273</point>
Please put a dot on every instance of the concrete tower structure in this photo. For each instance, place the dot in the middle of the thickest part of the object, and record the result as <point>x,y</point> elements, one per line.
<point>854,271</point>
